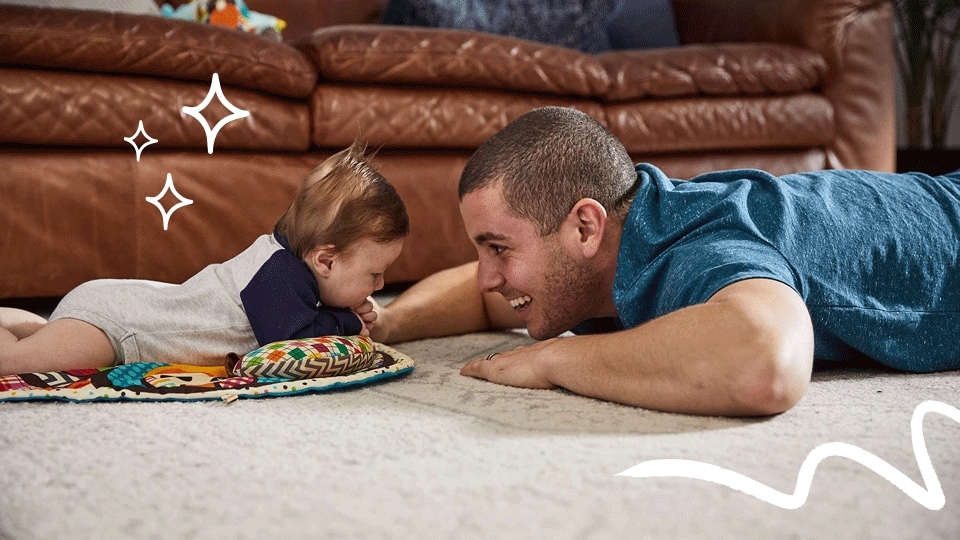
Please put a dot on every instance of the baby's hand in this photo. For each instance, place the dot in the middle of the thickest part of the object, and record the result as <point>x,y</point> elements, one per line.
<point>368,313</point>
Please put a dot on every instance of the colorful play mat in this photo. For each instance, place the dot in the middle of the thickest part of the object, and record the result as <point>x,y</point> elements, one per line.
<point>149,381</point>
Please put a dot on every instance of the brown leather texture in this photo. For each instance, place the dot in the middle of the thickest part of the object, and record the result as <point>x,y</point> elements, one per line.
<point>780,85</point>
<point>146,45</point>
<point>450,118</point>
<point>746,123</point>
<point>395,117</point>
<point>776,162</point>
<point>853,36</point>
<point>86,216</point>
<point>414,56</point>
<point>411,56</point>
<point>69,216</point>
<point>62,108</point>
<point>744,69</point>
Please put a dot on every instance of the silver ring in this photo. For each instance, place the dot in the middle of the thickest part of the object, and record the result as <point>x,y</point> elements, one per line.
<point>491,355</point>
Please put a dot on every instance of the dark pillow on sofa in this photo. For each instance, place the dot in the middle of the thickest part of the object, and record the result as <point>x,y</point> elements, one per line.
<point>644,24</point>
<point>578,25</point>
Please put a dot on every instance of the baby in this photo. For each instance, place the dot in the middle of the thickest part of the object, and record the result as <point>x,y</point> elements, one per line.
<point>312,277</point>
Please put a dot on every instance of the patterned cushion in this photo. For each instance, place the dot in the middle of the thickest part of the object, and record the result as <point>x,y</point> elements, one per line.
<point>328,356</point>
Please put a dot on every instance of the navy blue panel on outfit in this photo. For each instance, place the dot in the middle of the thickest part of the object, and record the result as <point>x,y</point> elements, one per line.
<point>282,301</point>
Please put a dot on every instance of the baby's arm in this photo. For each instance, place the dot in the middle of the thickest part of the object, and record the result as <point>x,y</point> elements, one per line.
<point>281,303</point>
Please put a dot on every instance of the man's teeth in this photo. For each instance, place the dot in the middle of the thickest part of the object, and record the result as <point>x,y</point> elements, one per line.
<point>519,301</point>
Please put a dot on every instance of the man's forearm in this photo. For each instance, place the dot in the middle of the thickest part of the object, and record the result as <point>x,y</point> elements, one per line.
<point>706,359</point>
<point>446,303</point>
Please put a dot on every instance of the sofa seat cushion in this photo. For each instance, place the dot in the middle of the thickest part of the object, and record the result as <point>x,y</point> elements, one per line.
<point>700,125</point>
<point>153,46</point>
<point>58,108</point>
<point>407,55</point>
<point>410,117</point>
<point>743,69</point>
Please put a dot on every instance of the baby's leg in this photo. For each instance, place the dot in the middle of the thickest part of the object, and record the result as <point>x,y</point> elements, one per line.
<point>57,346</point>
<point>19,322</point>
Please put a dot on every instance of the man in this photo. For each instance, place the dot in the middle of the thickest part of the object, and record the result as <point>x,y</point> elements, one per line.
<point>726,286</point>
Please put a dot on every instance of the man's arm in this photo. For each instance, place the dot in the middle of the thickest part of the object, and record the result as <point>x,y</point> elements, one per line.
<point>443,304</point>
<point>746,351</point>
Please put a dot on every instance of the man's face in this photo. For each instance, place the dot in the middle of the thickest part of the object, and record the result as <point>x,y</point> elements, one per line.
<point>546,283</point>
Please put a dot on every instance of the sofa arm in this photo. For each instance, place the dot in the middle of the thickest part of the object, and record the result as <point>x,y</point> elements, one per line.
<point>817,24</point>
<point>855,37</point>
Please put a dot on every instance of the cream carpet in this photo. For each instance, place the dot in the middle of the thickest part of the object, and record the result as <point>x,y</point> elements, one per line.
<point>437,455</point>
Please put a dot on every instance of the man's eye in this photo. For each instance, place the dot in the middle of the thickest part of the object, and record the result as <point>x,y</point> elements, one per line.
<point>497,248</point>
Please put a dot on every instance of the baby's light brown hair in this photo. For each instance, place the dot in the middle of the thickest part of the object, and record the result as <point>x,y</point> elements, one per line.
<point>342,201</point>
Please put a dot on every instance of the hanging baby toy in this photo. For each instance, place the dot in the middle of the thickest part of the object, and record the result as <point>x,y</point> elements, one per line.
<point>227,13</point>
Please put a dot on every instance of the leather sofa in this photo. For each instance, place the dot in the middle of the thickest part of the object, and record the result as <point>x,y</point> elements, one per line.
<point>785,86</point>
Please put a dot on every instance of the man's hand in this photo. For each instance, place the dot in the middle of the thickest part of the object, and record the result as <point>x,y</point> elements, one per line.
<point>522,367</point>
<point>368,312</point>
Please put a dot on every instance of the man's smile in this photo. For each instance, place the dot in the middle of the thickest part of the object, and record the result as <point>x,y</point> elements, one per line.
<point>520,302</point>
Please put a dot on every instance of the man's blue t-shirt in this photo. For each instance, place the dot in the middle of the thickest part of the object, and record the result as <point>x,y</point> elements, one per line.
<point>875,257</point>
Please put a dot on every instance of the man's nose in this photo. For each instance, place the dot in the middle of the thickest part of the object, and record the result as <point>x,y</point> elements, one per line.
<point>488,277</point>
<point>379,284</point>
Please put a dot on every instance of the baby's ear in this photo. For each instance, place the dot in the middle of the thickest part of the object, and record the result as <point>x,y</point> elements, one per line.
<point>321,259</point>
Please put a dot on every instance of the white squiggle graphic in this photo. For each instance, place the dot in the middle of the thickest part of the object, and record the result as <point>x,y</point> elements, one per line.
<point>931,497</point>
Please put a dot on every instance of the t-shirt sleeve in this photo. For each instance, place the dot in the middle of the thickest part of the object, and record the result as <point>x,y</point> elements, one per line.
<point>282,302</point>
<point>693,270</point>
<point>698,269</point>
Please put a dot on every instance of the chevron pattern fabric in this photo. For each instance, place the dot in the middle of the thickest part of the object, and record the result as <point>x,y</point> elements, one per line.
<point>316,367</point>
<point>328,356</point>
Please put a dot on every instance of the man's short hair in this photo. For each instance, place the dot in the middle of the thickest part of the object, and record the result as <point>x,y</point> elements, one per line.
<point>547,160</point>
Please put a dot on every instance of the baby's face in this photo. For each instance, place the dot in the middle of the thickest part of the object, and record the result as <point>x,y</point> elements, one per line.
<point>357,272</point>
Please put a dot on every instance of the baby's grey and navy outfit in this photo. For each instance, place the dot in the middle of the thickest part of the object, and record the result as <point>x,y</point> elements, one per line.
<point>264,294</point>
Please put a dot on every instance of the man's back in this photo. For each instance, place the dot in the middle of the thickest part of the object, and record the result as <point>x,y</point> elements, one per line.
<point>876,257</point>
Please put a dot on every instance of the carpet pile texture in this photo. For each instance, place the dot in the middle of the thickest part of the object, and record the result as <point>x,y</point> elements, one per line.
<point>433,454</point>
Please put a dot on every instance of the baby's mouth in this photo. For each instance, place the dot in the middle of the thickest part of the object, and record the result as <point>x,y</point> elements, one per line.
<point>520,303</point>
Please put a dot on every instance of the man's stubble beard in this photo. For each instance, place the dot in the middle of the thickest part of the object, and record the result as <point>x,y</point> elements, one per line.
<point>569,293</point>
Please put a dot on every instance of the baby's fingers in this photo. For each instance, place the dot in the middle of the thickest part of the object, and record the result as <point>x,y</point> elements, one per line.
<point>365,307</point>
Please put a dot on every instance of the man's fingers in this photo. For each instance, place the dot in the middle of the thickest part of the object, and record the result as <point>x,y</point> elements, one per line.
<point>512,368</point>
<point>478,368</point>
<point>470,369</point>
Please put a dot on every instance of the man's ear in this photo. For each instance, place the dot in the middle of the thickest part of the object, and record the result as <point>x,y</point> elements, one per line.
<point>321,259</point>
<point>586,222</point>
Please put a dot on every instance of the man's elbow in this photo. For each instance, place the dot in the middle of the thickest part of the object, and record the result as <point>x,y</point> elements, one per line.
<point>776,378</point>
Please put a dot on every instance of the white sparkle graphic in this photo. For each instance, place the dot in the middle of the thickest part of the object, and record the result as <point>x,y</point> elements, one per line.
<point>133,139</point>
<point>195,112</point>
<point>168,186</point>
<point>931,496</point>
